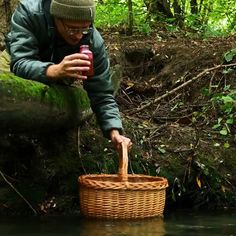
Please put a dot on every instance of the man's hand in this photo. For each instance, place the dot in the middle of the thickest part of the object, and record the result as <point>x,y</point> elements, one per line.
<point>117,139</point>
<point>71,66</point>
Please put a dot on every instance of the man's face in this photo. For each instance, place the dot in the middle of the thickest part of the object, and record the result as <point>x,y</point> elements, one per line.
<point>72,31</point>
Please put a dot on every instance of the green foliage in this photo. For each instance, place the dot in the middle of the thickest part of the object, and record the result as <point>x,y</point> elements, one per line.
<point>226,104</point>
<point>211,18</point>
<point>110,14</point>
<point>114,14</point>
<point>144,27</point>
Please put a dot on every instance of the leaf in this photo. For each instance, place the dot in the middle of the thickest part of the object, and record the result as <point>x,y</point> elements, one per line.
<point>223,188</point>
<point>228,71</point>
<point>173,196</point>
<point>216,144</point>
<point>158,169</point>
<point>216,126</point>
<point>226,145</point>
<point>219,120</point>
<point>223,132</point>
<point>161,150</point>
<point>227,99</point>
<point>230,121</point>
<point>228,56</point>
<point>198,182</point>
<point>130,84</point>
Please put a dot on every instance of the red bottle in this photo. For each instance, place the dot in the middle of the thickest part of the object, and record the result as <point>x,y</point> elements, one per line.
<point>85,50</point>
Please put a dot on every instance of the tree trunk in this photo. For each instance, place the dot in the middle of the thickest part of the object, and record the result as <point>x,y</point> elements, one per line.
<point>178,13</point>
<point>194,6</point>
<point>130,17</point>
<point>159,8</point>
<point>8,12</point>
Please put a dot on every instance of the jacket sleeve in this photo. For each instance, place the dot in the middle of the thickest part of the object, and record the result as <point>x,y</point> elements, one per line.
<point>100,92</point>
<point>24,46</point>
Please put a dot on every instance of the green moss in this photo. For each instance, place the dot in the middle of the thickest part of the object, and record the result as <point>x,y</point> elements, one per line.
<point>59,95</point>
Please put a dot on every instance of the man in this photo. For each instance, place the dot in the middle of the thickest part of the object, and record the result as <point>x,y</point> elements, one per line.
<point>44,45</point>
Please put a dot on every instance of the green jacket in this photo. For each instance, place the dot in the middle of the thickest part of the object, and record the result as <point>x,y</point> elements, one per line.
<point>33,45</point>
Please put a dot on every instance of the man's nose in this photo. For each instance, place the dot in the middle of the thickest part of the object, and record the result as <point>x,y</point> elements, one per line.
<point>78,36</point>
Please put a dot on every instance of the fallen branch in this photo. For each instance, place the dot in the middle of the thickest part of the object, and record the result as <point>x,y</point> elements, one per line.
<point>168,93</point>
<point>10,184</point>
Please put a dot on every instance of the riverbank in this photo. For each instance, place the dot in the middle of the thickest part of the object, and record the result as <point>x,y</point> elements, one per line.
<point>177,101</point>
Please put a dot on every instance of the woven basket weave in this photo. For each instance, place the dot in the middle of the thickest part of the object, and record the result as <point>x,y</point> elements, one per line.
<point>122,196</point>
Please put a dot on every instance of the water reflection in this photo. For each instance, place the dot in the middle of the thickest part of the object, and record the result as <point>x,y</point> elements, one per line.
<point>210,223</point>
<point>174,224</point>
<point>147,227</point>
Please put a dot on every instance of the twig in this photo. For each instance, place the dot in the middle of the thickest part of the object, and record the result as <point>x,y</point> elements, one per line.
<point>156,130</point>
<point>211,81</point>
<point>126,95</point>
<point>168,93</point>
<point>10,184</point>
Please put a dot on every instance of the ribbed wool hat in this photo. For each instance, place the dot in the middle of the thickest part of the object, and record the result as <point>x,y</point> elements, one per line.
<point>73,9</point>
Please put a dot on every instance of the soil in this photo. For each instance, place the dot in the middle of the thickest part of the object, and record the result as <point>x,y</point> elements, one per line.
<point>165,74</point>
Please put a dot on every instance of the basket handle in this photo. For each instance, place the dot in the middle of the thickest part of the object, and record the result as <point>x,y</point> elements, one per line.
<point>123,162</point>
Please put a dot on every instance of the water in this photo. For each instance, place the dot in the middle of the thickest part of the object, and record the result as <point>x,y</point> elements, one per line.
<point>174,224</point>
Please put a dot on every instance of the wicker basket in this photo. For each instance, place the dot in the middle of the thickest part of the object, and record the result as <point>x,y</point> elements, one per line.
<point>122,196</point>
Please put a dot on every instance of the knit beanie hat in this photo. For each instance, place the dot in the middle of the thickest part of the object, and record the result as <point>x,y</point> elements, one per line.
<point>73,9</point>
